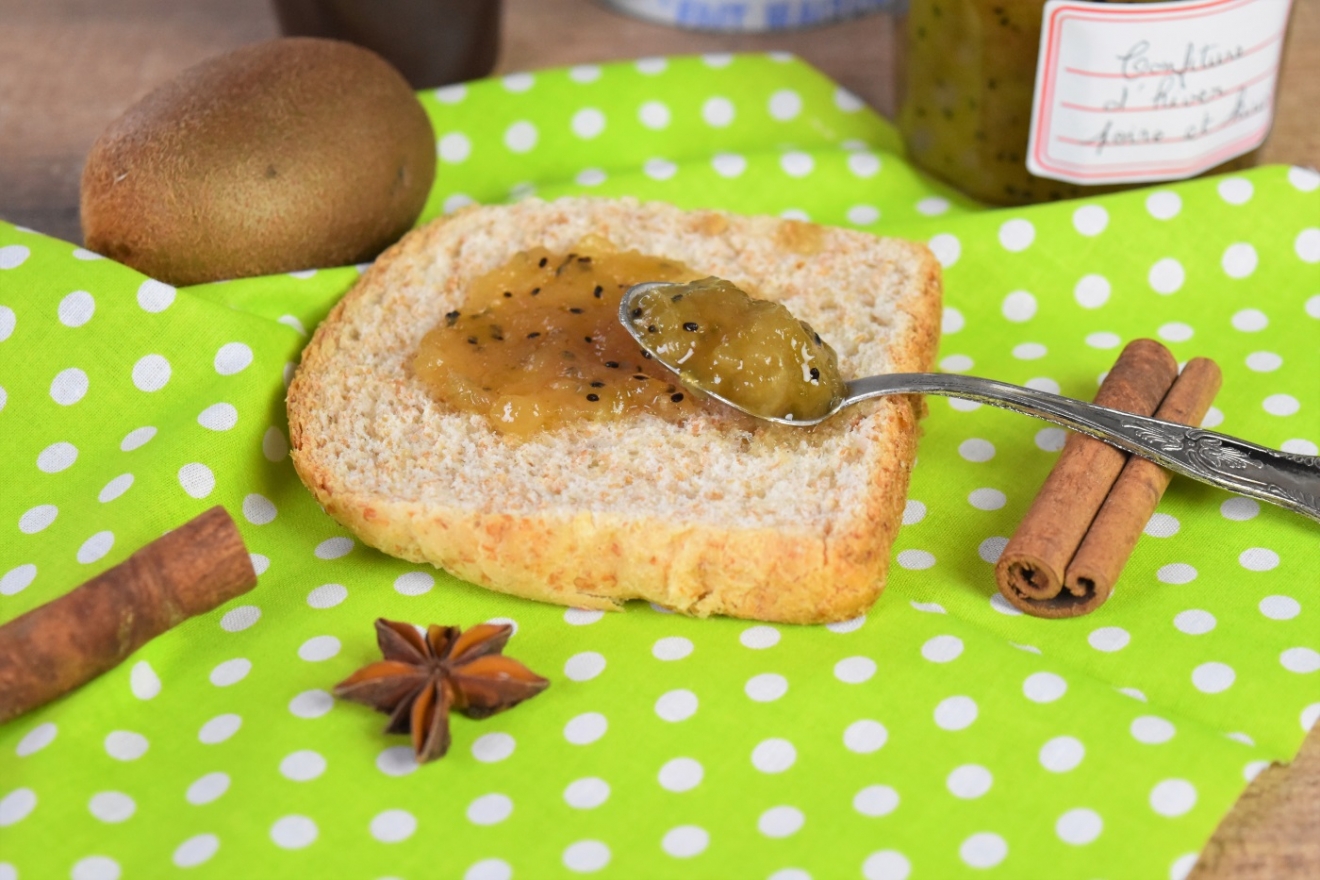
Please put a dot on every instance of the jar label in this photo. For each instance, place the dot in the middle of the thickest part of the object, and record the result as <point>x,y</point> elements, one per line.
<point>1132,92</point>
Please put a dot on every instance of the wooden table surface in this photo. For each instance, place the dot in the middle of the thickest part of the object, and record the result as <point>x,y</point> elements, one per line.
<point>68,67</point>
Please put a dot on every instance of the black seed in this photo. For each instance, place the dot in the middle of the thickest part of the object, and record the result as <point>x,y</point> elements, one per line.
<point>646,354</point>
<point>575,310</point>
<point>597,384</point>
<point>691,326</point>
<point>613,365</point>
<point>533,335</point>
<point>641,377</point>
<point>543,262</point>
<point>508,294</point>
<point>637,312</point>
<point>651,328</point>
<point>598,291</point>
<point>451,318</point>
<point>593,397</point>
<point>498,337</point>
<point>671,389</point>
<point>587,339</point>
<point>676,297</point>
<point>815,373</point>
<point>535,291</point>
<point>472,340</point>
<point>676,398</point>
<point>584,259</point>
<point>817,335</point>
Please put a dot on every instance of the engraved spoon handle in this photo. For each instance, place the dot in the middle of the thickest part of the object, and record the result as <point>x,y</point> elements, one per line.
<point>1286,479</point>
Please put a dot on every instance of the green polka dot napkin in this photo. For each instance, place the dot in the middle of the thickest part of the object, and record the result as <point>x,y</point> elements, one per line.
<point>941,735</point>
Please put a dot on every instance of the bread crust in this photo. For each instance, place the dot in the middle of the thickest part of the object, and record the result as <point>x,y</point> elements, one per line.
<point>786,524</point>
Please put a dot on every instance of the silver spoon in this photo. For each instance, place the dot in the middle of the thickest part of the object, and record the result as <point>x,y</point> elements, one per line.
<point>1289,480</point>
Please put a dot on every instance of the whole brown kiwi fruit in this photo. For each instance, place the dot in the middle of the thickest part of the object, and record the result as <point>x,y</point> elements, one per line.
<point>295,153</point>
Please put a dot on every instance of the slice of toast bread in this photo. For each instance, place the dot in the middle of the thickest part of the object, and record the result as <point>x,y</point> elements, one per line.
<point>701,516</point>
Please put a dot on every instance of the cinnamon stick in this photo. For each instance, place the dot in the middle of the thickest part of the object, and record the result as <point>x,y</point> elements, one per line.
<point>1114,532</point>
<point>1030,571</point>
<point>55,648</point>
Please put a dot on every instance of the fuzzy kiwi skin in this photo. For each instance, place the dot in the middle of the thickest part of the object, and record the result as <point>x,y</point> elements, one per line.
<point>290,154</point>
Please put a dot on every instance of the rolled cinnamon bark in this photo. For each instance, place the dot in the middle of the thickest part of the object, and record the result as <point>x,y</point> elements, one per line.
<point>1030,571</point>
<point>71,640</point>
<point>1114,532</point>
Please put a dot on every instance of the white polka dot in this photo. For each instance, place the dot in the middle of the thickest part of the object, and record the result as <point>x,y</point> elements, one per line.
<point>454,147</point>
<point>728,164</point>
<point>16,806</point>
<point>302,766</point>
<point>671,648</point>
<point>1079,826</point>
<point>1166,276</point>
<point>258,509</point>
<point>57,457</point>
<point>521,136</point>
<point>37,519</point>
<point>1239,260</point>
<point>1151,730</point>
<point>588,123</point>
<point>759,637</point>
<point>451,94</point>
<point>587,793</point>
<point>584,666</point>
<point>1194,622</point>
<point>990,549</point>
<point>458,201</point>
<point>956,363</point>
<point>677,705</point>
<point>946,248</point>
<point>1090,220</point>
<point>1300,660</point>
<point>143,681</point>
<point>12,256</point>
<point>1044,687</point>
<point>1263,361</point>
<point>1235,190</point>
<point>311,704</point>
<point>1019,306</point>
<point>584,73</point>
<point>151,373</point>
<point>796,164</point>
<point>518,82</point>
<point>863,215</point>
<point>717,112</point>
<point>115,488</point>
<point>319,648</point>
<point>932,206</point>
<point>864,165</point>
<point>1175,331</point>
<point>847,626</point>
<point>928,607</point>
<point>1250,320</point>
<point>293,832</point>
<point>1061,754</point>
<point>196,479</point>
<point>773,755</point>
<point>767,687</point>
<point>1162,525</point>
<point>96,547</point>
<point>976,449</point>
<point>1173,797</point>
<point>207,788</point>
<point>1280,607</point>
<point>588,727</point>
<point>1213,418</point>
<point>915,560</point>
<point>780,821</point>
<point>886,864</point>
<point>155,296</point>
<point>1042,383</point>
<point>1163,204</point>
<point>681,774</point>
<point>1103,340</point>
<point>240,618</point>
<point>1310,716</point>
<point>1281,405</point>
<point>785,105</point>
<point>1109,639</point>
<point>95,868</point>
<point>231,672</point>
<point>1304,179</point>
<point>652,65</point>
<point>717,59</point>
<point>124,745</point>
<point>1254,769</point>
<point>1307,245</point>
<point>1092,291</point>
<point>36,739</point>
<point>1050,439</point>
<point>397,761</point>
<point>327,595</point>
<point>1300,447</point>
<point>137,438</point>
<point>489,809</point>
<point>955,713</point>
<point>489,869</point>
<point>999,603</point>
<point>659,169</point>
<point>196,850</point>
<point>1176,573</point>
<point>1243,738</point>
<point>218,417</point>
<point>414,583</point>
<point>1213,678</point>
<point>969,781</point>
<point>685,841</point>
<point>654,115</point>
<point>69,386</point>
<point>846,101</point>
<point>854,670</point>
<point>1029,351</point>
<point>591,177</point>
<point>586,856</point>
<point>983,850</point>
<point>1258,559</point>
<point>1017,234</point>
<point>942,649</point>
<point>876,800</point>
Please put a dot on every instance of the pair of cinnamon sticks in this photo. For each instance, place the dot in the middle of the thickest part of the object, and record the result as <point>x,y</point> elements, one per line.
<point>1070,548</point>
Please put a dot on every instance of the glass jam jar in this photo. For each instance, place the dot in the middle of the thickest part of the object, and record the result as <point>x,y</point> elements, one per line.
<point>1021,101</point>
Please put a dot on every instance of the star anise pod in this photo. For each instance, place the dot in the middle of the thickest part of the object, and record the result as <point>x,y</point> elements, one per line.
<point>423,677</point>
